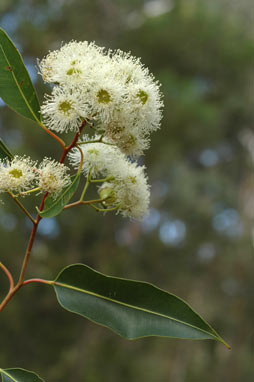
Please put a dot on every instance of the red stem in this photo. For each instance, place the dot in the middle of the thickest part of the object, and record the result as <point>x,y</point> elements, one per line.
<point>59,140</point>
<point>73,143</point>
<point>8,274</point>
<point>79,202</point>
<point>41,281</point>
<point>28,251</point>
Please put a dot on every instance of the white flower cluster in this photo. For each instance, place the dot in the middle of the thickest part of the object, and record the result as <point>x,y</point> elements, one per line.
<point>22,174</point>
<point>111,90</point>
<point>125,186</point>
<point>117,96</point>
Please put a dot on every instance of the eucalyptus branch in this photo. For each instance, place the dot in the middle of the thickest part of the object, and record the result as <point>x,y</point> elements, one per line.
<point>8,274</point>
<point>83,202</point>
<point>19,284</point>
<point>88,179</point>
<point>81,159</point>
<point>103,209</point>
<point>59,140</point>
<point>35,222</point>
<point>101,180</point>
<point>9,296</point>
<point>73,143</point>
<point>28,250</point>
<point>38,218</point>
<point>100,140</point>
<point>40,281</point>
<point>30,191</point>
<point>21,207</point>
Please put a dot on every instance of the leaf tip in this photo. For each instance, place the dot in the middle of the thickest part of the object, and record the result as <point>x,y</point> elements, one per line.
<point>224,343</point>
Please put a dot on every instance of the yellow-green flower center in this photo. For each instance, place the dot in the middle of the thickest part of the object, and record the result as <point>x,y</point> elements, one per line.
<point>93,151</point>
<point>65,107</point>
<point>51,177</point>
<point>103,96</point>
<point>143,96</point>
<point>16,173</point>
<point>133,179</point>
<point>72,71</point>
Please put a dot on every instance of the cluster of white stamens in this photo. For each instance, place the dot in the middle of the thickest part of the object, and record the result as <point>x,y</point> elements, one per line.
<point>22,175</point>
<point>113,93</point>
<point>125,187</point>
<point>17,175</point>
<point>112,90</point>
<point>53,176</point>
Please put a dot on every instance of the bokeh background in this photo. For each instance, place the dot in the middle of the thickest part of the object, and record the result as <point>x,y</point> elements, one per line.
<point>197,241</point>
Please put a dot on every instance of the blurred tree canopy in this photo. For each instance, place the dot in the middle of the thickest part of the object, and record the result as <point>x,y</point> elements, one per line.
<point>197,241</point>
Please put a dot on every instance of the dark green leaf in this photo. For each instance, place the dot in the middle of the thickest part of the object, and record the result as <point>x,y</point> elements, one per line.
<point>16,88</point>
<point>132,309</point>
<point>4,152</point>
<point>19,375</point>
<point>53,206</point>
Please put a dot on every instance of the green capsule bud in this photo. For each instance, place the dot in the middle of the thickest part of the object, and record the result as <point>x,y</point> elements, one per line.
<point>107,194</point>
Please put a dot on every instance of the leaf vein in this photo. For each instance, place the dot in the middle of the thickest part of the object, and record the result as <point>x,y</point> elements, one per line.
<point>133,307</point>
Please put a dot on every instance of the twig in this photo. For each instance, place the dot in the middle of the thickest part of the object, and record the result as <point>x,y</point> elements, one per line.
<point>73,143</point>
<point>41,281</point>
<point>21,207</point>
<point>59,140</point>
<point>8,274</point>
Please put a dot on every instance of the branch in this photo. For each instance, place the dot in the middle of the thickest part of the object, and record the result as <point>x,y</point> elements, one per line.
<point>41,281</point>
<point>73,143</point>
<point>8,274</point>
<point>59,140</point>
<point>21,207</point>
<point>13,289</point>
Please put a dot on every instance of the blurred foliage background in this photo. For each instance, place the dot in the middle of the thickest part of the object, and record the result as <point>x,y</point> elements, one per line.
<point>197,241</point>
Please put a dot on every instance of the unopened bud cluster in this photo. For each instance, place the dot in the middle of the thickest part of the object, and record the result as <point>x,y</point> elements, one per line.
<point>121,101</point>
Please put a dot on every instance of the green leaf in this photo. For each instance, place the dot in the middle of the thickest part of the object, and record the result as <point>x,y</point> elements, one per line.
<point>53,206</point>
<point>4,151</point>
<point>16,88</point>
<point>19,375</point>
<point>132,309</point>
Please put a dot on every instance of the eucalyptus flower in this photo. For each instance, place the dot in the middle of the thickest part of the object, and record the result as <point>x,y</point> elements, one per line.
<point>110,88</point>
<point>98,157</point>
<point>64,109</point>
<point>128,190</point>
<point>53,176</point>
<point>17,175</point>
<point>73,63</point>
